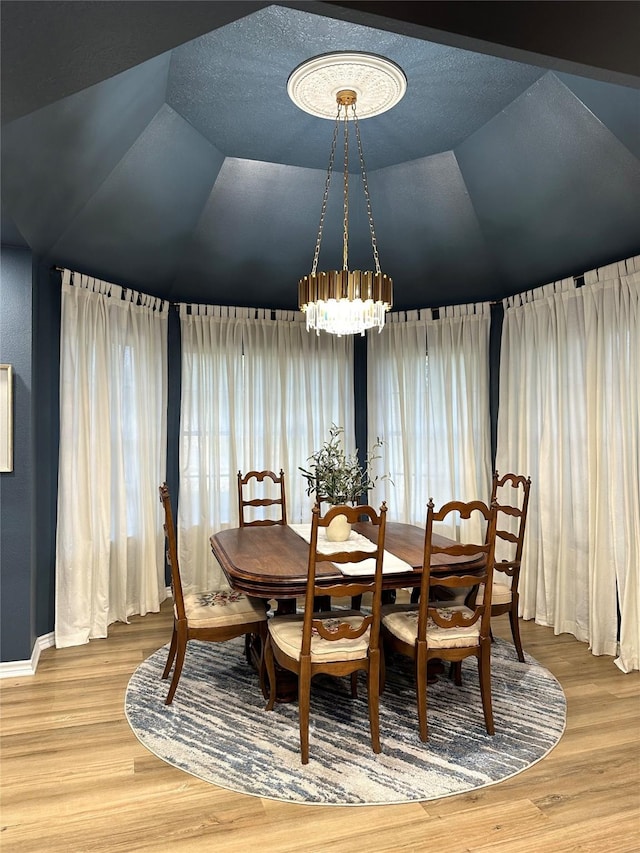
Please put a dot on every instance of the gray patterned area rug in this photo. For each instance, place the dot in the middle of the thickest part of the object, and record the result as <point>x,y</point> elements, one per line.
<point>217,729</point>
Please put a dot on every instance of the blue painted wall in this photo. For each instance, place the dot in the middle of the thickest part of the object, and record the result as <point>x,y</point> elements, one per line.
<point>46,420</point>
<point>17,576</point>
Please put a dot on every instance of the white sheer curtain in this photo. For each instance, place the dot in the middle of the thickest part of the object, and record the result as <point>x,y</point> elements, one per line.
<point>113,401</point>
<point>257,393</point>
<point>570,418</point>
<point>428,398</point>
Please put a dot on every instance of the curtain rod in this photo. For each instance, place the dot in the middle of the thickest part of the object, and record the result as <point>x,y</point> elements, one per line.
<point>578,279</point>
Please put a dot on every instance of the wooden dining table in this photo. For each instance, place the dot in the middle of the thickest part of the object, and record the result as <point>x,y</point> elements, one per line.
<point>271,562</point>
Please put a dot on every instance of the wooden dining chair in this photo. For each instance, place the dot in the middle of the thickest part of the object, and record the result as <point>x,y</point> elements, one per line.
<point>213,615</point>
<point>273,495</point>
<point>431,630</point>
<point>276,497</point>
<point>336,642</point>
<point>511,493</point>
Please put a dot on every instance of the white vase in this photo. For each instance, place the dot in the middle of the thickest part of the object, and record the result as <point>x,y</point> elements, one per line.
<point>338,529</point>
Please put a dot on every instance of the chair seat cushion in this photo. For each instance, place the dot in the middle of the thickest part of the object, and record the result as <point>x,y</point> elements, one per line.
<point>500,593</point>
<point>222,607</point>
<point>286,633</point>
<point>402,622</point>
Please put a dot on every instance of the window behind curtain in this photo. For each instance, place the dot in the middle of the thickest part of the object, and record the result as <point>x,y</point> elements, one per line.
<point>257,393</point>
<point>569,416</point>
<point>428,399</point>
<point>113,403</point>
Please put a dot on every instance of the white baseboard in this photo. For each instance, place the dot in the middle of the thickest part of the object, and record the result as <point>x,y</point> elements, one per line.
<point>19,668</point>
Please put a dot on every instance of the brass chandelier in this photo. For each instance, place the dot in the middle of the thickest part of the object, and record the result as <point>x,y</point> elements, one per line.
<point>346,302</point>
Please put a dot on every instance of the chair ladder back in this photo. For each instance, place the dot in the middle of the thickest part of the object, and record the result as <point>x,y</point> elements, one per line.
<point>281,501</point>
<point>483,575</point>
<point>516,481</point>
<point>341,630</point>
<point>172,551</point>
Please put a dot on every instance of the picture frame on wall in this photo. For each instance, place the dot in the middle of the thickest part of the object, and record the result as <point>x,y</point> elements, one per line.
<point>6,418</point>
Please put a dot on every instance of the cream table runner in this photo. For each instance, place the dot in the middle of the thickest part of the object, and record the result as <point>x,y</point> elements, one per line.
<point>356,542</point>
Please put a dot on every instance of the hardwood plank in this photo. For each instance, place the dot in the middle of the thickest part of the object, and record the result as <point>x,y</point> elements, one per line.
<point>75,778</point>
<point>611,834</point>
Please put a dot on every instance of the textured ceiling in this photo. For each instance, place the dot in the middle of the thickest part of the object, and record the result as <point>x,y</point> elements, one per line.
<point>174,161</point>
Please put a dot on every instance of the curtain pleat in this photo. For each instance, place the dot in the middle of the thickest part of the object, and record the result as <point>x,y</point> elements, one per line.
<point>570,418</point>
<point>113,399</point>
<point>257,393</point>
<point>428,398</point>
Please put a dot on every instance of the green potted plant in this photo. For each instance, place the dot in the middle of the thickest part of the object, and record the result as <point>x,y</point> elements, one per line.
<point>338,478</point>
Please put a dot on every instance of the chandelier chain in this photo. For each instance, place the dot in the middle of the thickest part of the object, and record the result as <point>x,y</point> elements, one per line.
<point>374,244</point>
<point>316,254</point>
<point>345,201</point>
<point>344,301</point>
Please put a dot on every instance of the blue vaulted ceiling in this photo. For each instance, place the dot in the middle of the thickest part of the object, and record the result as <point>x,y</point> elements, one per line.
<point>164,153</point>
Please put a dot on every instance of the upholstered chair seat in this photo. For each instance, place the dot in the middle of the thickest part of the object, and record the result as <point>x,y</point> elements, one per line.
<point>286,632</point>
<point>403,624</point>
<point>500,593</point>
<point>213,609</point>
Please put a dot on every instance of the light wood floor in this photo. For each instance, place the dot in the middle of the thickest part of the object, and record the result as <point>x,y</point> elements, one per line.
<point>74,777</point>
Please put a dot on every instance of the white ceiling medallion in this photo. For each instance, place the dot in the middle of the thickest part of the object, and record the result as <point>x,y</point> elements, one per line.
<point>378,83</point>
